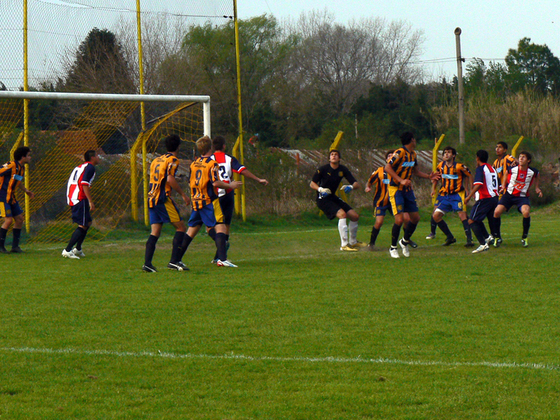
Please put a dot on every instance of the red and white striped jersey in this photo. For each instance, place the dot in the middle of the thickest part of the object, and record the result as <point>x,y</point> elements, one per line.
<point>519,181</point>
<point>486,176</point>
<point>83,174</point>
<point>228,165</point>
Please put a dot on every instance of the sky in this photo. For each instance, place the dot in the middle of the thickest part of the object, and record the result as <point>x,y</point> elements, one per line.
<point>489,27</point>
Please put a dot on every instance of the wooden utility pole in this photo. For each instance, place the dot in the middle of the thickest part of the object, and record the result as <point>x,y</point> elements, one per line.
<point>460,83</point>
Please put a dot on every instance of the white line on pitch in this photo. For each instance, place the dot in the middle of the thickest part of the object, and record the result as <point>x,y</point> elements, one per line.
<point>340,360</point>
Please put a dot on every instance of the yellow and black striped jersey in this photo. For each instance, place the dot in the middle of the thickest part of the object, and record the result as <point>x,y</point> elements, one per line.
<point>452,177</point>
<point>11,174</point>
<point>403,163</point>
<point>160,169</point>
<point>503,166</point>
<point>380,180</point>
<point>204,172</point>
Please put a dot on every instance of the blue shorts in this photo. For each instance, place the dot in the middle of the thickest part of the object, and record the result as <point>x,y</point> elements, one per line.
<point>227,203</point>
<point>380,211</point>
<point>451,202</point>
<point>210,215</point>
<point>80,213</point>
<point>483,208</point>
<point>10,210</point>
<point>508,201</point>
<point>402,201</point>
<point>166,212</point>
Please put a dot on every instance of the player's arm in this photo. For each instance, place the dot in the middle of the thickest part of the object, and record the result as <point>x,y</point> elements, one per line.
<point>172,181</point>
<point>434,176</point>
<point>474,189</point>
<point>25,190</point>
<point>233,185</point>
<point>537,189</point>
<point>249,174</point>
<point>370,181</point>
<point>87,192</point>
<point>469,182</point>
<point>404,182</point>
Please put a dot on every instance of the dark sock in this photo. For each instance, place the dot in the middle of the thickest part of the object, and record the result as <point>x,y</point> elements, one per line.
<point>495,226</point>
<point>410,228</point>
<point>445,229</point>
<point>433,225</point>
<point>374,233</point>
<point>17,235</point>
<point>177,242</point>
<point>74,239</point>
<point>150,249</point>
<point>395,233</point>
<point>476,228</point>
<point>184,246</point>
<point>526,226</point>
<point>212,234</point>
<point>467,229</point>
<point>81,240</point>
<point>3,233</point>
<point>221,246</point>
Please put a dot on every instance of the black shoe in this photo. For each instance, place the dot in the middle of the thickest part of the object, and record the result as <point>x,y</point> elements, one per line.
<point>412,244</point>
<point>17,250</point>
<point>450,241</point>
<point>183,266</point>
<point>176,266</point>
<point>149,268</point>
<point>469,244</point>
<point>497,242</point>
<point>3,250</point>
<point>371,247</point>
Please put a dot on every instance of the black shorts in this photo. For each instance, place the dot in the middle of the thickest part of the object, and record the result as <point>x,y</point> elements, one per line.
<point>508,201</point>
<point>80,213</point>
<point>227,203</point>
<point>331,204</point>
<point>483,208</point>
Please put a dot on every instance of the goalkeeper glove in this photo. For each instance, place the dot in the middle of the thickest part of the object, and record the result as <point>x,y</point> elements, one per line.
<point>347,188</point>
<point>323,192</point>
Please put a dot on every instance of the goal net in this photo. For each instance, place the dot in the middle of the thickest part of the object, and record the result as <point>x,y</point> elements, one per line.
<point>63,126</point>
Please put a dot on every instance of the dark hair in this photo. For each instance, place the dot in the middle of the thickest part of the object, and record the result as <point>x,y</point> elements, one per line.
<point>503,144</point>
<point>21,152</point>
<point>529,156</point>
<point>218,142</point>
<point>453,151</point>
<point>406,138</point>
<point>88,155</point>
<point>336,151</point>
<point>172,142</point>
<point>388,153</point>
<point>482,155</point>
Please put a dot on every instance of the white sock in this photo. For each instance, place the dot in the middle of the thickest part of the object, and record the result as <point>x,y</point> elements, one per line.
<point>343,230</point>
<point>353,228</point>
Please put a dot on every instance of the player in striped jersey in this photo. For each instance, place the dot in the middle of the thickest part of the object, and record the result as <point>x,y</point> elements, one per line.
<point>11,175</point>
<point>451,195</point>
<point>204,181</point>
<point>228,165</point>
<point>503,163</point>
<point>162,208</point>
<point>78,196</point>
<point>400,168</point>
<point>485,191</point>
<point>518,181</point>
<point>379,180</point>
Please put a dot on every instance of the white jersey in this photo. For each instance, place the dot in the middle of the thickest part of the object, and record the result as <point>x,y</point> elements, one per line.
<point>228,165</point>
<point>83,174</point>
<point>519,181</point>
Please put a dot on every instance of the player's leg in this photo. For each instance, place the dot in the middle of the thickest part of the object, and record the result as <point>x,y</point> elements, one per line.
<point>477,226</point>
<point>379,218</point>
<point>433,227</point>
<point>6,213</point>
<point>467,228</point>
<point>397,201</point>
<point>438,218</point>
<point>411,208</point>
<point>151,247</point>
<point>342,229</point>
<point>16,232</point>
<point>526,212</point>
<point>80,216</point>
<point>353,229</point>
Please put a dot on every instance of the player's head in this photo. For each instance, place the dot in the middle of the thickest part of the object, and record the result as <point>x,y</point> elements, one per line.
<point>172,143</point>
<point>407,138</point>
<point>91,156</point>
<point>219,143</point>
<point>204,145</point>
<point>449,154</point>
<point>482,156</point>
<point>22,153</point>
<point>525,156</point>
<point>501,148</point>
<point>389,155</point>
<point>334,155</point>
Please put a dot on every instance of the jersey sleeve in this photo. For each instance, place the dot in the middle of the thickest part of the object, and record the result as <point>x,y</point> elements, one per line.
<point>396,159</point>
<point>463,168</point>
<point>317,176</point>
<point>374,177</point>
<point>5,170</point>
<point>348,175</point>
<point>172,166</point>
<point>214,175</point>
<point>89,173</point>
<point>440,167</point>
<point>236,166</point>
<point>479,175</point>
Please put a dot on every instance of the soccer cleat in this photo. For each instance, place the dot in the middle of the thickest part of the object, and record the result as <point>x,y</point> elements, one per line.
<point>78,252</point>
<point>149,268</point>
<point>481,248</point>
<point>371,247</point>
<point>431,236</point>
<point>469,244</point>
<point>17,250</point>
<point>497,242</point>
<point>358,245</point>
<point>412,244</point>
<point>225,263</point>
<point>489,240</point>
<point>394,252</point>
<point>183,266</point>
<point>404,247</point>
<point>175,266</point>
<point>69,254</point>
<point>449,241</point>
<point>348,248</point>
<point>214,261</point>
<point>3,250</point>
<point>525,242</point>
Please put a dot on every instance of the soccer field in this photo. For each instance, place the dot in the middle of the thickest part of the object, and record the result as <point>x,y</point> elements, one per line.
<point>299,331</point>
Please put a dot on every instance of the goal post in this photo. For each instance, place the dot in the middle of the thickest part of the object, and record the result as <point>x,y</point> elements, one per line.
<point>82,121</point>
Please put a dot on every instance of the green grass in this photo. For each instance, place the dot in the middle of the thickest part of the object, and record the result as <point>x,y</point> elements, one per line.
<point>299,330</point>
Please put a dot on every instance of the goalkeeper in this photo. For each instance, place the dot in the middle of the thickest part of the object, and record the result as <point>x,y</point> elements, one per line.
<point>326,181</point>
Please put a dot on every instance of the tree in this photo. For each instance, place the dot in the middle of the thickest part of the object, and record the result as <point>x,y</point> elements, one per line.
<point>533,66</point>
